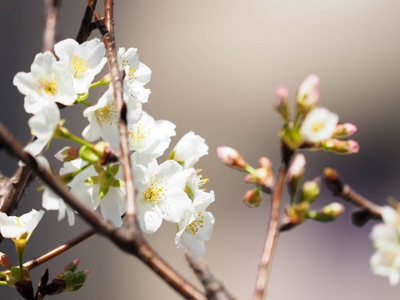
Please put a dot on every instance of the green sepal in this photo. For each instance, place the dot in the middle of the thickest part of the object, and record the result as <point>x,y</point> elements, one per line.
<point>88,154</point>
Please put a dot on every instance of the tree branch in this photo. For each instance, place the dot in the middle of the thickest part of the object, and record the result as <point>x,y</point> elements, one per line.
<point>86,29</point>
<point>108,15</point>
<point>120,104</point>
<point>51,13</point>
<point>272,237</point>
<point>339,189</point>
<point>214,288</point>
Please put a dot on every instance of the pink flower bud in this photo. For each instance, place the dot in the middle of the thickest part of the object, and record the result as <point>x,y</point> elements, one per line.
<point>5,261</point>
<point>67,154</point>
<point>341,147</point>
<point>344,130</point>
<point>253,198</point>
<point>265,162</point>
<point>282,105</point>
<point>295,173</point>
<point>231,157</point>
<point>308,94</point>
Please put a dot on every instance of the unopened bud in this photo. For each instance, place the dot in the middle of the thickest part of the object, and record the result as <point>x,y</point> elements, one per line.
<point>231,157</point>
<point>344,130</point>
<point>5,261</point>
<point>308,94</point>
<point>106,152</point>
<point>67,154</point>
<point>263,176</point>
<point>310,191</point>
<point>328,213</point>
<point>295,173</point>
<point>253,198</point>
<point>105,80</point>
<point>341,147</point>
<point>61,132</point>
<point>72,266</point>
<point>265,162</point>
<point>282,105</point>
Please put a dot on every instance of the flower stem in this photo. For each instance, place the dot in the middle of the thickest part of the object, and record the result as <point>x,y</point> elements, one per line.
<point>79,141</point>
<point>3,275</point>
<point>3,283</point>
<point>83,102</point>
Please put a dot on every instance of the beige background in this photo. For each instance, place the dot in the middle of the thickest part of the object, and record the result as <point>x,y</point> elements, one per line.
<point>215,66</point>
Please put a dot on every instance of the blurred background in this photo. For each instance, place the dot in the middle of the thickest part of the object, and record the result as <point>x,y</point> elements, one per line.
<point>216,64</point>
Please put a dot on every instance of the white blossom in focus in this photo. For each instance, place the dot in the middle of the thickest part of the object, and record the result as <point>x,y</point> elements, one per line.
<point>161,194</point>
<point>84,61</point>
<point>43,125</point>
<point>51,201</point>
<point>386,239</point>
<point>151,137</point>
<point>319,125</point>
<point>22,227</point>
<point>98,186</point>
<point>48,79</point>
<point>190,148</point>
<point>195,231</point>
<point>103,120</point>
<point>137,74</point>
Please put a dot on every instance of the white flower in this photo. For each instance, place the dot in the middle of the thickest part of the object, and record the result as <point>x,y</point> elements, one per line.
<point>22,227</point>
<point>137,74</point>
<point>103,120</point>
<point>196,230</point>
<point>319,125</point>
<point>47,79</point>
<point>98,186</point>
<point>161,194</point>
<point>386,239</point>
<point>151,137</point>
<point>189,149</point>
<point>84,61</point>
<point>43,125</point>
<point>51,201</point>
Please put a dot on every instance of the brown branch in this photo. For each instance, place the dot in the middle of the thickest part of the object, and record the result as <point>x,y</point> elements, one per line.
<point>57,251</point>
<point>51,13</point>
<point>214,288</point>
<point>339,189</point>
<point>120,104</point>
<point>108,15</point>
<point>86,29</point>
<point>272,237</point>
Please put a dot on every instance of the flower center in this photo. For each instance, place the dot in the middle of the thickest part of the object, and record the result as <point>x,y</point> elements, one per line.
<point>155,192</point>
<point>48,85</point>
<point>196,224</point>
<point>107,114</point>
<point>131,72</point>
<point>137,134</point>
<point>19,224</point>
<point>78,66</point>
<point>317,126</point>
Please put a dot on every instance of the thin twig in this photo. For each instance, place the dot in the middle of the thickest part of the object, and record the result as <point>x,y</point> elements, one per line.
<point>213,287</point>
<point>108,15</point>
<point>271,239</point>
<point>339,189</point>
<point>120,104</point>
<point>51,13</point>
<point>86,29</point>
<point>57,251</point>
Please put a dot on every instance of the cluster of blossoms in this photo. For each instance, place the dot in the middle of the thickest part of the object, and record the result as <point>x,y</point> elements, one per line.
<point>386,239</point>
<point>171,190</point>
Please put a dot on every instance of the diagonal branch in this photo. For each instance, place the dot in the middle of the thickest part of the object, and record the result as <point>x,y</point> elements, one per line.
<point>108,15</point>
<point>214,288</point>
<point>51,13</point>
<point>272,237</point>
<point>86,29</point>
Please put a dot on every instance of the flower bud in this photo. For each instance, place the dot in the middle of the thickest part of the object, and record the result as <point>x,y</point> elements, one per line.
<point>308,94</point>
<point>282,105</point>
<point>328,213</point>
<point>67,154</point>
<point>344,130</point>
<point>231,157</point>
<point>295,173</point>
<point>61,132</point>
<point>310,191</point>
<point>341,147</point>
<point>263,176</point>
<point>5,261</point>
<point>253,198</point>
<point>106,152</point>
<point>105,80</point>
